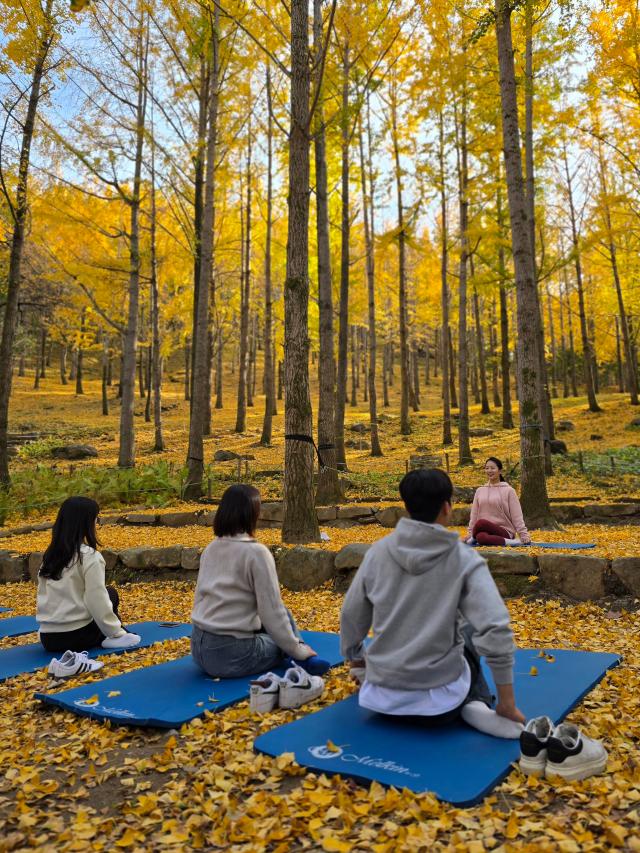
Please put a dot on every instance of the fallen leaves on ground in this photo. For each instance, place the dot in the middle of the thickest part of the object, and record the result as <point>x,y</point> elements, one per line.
<point>72,784</point>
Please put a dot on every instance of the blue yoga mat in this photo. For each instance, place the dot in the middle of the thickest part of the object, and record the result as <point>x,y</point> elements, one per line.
<point>455,762</point>
<point>170,694</point>
<point>571,546</point>
<point>23,659</point>
<point>5,609</point>
<point>15,626</point>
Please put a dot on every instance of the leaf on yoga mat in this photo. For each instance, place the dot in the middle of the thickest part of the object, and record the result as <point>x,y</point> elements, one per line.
<point>550,659</point>
<point>533,670</point>
<point>112,693</point>
<point>92,700</point>
<point>331,747</point>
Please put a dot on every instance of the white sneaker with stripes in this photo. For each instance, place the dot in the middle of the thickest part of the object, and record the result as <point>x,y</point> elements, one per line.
<point>73,663</point>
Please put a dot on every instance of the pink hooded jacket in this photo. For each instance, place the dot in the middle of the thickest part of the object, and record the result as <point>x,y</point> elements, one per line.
<point>500,505</point>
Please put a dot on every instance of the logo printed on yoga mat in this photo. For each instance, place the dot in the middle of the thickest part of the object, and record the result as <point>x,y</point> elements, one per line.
<point>322,751</point>
<point>105,709</point>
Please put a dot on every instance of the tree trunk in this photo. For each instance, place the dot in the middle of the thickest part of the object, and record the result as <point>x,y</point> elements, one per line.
<point>156,360</point>
<point>464,448</point>
<point>368,211</point>
<point>552,334</point>
<point>385,376</point>
<point>198,200</point>
<point>187,371</point>
<point>482,367</point>
<point>219,367</point>
<point>300,522</point>
<point>269,375</point>
<point>19,212</point>
<point>127,451</point>
<point>452,373</point>
<point>447,437</point>
<point>245,302</point>
<point>343,331</point>
<point>493,339</point>
<point>80,355</point>
<point>195,457</point>
<point>534,498</point>
<point>619,365</point>
<point>63,364</point>
<point>405,376</point>
<point>563,348</point>
<point>105,375</point>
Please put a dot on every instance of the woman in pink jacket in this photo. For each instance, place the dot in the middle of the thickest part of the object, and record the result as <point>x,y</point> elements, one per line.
<point>496,514</point>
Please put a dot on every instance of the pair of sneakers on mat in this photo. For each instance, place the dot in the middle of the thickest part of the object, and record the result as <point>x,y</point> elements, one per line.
<point>295,688</point>
<point>548,750</point>
<point>72,663</point>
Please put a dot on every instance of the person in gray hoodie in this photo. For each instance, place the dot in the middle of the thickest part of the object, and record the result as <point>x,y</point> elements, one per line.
<point>433,608</point>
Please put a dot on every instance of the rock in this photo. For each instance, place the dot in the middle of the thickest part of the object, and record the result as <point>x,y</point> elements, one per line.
<point>272,511</point>
<point>351,555</point>
<point>343,523</point>
<point>342,580</point>
<point>557,446</point>
<point>358,445</point>
<point>635,422</point>
<point>34,561</point>
<point>388,517</point>
<point>576,576</point>
<point>74,451</point>
<point>480,432</point>
<point>460,516</point>
<point>133,558</point>
<point>463,494</point>
<point>611,510</point>
<point>44,525</point>
<point>110,558</point>
<point>12,567</point>
<point>162,558</point>
<point>627,570</point>
<point>355,511</point>
<point>178,519</point>
<point>361,428</point>
<point>567,512</point>
<point>303,568</point>
<point>225,456</point>
<point>565,426</point>
<point>206,519</point>
<point>510,562</point>
<point>596,437</point>
<point>140,518</point>
<point>422,448</point>
<point>190,559</point>
<point>326,513</point>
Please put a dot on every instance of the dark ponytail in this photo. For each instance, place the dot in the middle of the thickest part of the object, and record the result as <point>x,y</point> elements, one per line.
<point>498,465</point>
<point>75,525</point>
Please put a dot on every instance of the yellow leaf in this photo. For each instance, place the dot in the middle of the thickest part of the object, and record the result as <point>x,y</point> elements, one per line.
<point>550,659</point>
<point>335,845</point>
<point>513,827</point>
<point>332,747</point>
<point>533,670</point>
<point>113,693</point>
<point>92,700</point>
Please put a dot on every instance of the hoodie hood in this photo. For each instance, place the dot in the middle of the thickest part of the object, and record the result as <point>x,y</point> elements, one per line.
<point>416,546</point>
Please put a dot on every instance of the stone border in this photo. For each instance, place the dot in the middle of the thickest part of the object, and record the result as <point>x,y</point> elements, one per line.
<point>303,568</point>
<point>348,515</point>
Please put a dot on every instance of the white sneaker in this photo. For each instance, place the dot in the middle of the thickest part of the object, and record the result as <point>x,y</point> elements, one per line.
<point>298,687</point>
<point>264,693</point>
<point>73,663</point>
<point>573,756</point>
<point>533,746</point>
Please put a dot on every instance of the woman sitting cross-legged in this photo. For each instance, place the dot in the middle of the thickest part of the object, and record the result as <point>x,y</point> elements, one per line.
<point>496,514</point>
<point>75,609</point>
<point>240,624</point>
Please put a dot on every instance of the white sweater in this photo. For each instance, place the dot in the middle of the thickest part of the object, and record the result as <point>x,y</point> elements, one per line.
<point>79,596</point>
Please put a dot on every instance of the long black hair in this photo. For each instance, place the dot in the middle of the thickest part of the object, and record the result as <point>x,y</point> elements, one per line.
<point>498,465</point>
<point>75,525</point>
<point>238,511</point>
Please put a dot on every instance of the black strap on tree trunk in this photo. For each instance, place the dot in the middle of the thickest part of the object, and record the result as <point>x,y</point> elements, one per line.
<point>294,436</point>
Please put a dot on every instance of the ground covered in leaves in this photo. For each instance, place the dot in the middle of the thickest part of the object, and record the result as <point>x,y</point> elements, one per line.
<point>611,542</point>
<point>69,783</point>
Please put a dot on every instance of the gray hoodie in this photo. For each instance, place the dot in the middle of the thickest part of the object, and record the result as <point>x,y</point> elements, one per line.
<point>412,588</point>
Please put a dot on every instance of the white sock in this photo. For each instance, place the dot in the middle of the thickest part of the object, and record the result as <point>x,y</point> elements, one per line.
<point>484,719</point>
<point>512,542</point>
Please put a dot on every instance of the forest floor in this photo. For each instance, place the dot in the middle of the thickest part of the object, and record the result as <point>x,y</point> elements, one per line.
<point>73,784</point>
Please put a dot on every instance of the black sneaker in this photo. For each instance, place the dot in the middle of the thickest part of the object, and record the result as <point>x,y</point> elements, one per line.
<point>533,746</point>
<point>573,756</point>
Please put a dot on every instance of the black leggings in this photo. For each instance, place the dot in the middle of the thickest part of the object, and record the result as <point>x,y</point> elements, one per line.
<point>82,639</point>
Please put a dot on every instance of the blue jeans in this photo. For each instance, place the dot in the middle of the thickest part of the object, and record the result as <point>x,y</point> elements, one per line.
<point>221,656</point>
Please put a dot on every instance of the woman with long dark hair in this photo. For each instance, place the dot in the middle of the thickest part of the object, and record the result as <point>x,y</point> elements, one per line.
<point>75,609</point>
<point>496,514</point>
<point>240,623</point>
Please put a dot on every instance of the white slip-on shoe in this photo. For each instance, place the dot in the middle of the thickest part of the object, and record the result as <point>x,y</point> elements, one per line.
<point>298,687</point>
<point>572,756</point>
<point>123,641</point>
<point>73,663</point>
<point>533,746</point>
<point>264,693</point>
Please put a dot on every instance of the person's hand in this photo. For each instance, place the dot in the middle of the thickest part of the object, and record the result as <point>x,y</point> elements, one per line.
<point>357,669</point>
<point>511,712</point>
<point>313,652</point>
<point>468,540</point>
<point>525,538</point>
<point>124,641</point>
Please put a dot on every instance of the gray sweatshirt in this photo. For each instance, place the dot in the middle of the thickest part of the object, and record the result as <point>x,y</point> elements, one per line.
<point>412,589</point>
<point>238,594</point>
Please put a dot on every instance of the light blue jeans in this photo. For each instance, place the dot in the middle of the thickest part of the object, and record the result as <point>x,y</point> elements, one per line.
<point>221,656</point>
